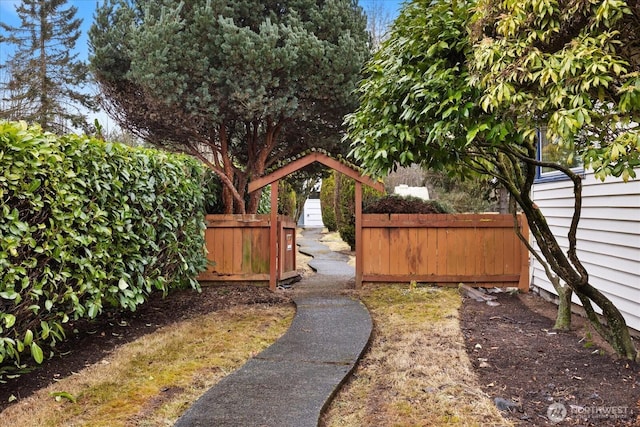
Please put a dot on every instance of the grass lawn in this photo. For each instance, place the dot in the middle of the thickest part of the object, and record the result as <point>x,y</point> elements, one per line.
<point>416,372</point>
<point>153,380</point>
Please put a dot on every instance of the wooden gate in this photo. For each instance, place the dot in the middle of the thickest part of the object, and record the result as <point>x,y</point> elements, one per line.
<point>239,248</point>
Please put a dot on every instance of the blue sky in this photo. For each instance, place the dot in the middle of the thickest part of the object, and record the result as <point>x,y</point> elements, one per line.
<point>85,12</point>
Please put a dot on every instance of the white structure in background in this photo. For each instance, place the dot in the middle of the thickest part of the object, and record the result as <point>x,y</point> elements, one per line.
<point>405,190</point>
<point>311,214</point>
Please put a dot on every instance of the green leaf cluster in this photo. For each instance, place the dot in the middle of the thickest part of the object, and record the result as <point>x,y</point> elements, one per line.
<point>88,226</point>
<point>286,199</point>
<point>342,203</point>
<point>327,205</point>
<point>572,68</point>
<point>457,83</point>
<point>416,105</point>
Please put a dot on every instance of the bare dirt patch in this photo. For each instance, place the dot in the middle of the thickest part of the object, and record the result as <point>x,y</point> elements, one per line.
<point>519,358</point>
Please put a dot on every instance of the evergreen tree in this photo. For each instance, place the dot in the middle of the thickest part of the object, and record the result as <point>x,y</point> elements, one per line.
<point>241,84</point>
<point>44,77</point>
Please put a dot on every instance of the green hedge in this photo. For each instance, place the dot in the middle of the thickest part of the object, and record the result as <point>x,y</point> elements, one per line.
<point>87,225</point>
<point>286,199</point>
<point>345,208</point>
<point>327,205</point>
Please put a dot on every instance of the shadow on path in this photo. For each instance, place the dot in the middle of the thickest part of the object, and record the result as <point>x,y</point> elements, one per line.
<point>290,383</point>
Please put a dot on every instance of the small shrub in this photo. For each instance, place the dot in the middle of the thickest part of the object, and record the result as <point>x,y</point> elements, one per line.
<point>404,204</point>
<point>327,203</point>
<point>287,199</point>
<point>345,209</point>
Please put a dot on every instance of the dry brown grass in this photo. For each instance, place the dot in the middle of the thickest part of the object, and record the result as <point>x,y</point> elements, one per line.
<point>153,380</point>
<point>334,242</point>
<point>416,372</point>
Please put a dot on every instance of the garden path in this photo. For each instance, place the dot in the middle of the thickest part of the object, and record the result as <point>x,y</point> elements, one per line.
<point>290,383</point>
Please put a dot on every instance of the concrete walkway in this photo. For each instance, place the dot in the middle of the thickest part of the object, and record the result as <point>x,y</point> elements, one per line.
<point>290,383</point>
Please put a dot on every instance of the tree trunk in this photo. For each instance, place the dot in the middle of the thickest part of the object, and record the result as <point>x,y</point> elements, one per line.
<point>563,317</point>
<point>503,200</point>
<point>614,328</point>
<point>227,200</point>
<point>225,174</point>
<point>558,265</point>
<point>254,201</point>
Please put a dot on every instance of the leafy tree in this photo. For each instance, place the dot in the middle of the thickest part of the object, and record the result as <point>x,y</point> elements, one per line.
<point>328,202</point>
<point>573,68</point>
<point>240,84</point>
<point>45,79</point>
<point>420,103</point>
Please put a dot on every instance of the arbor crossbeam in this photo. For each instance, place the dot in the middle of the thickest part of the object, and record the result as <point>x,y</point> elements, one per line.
<point>289,168</point>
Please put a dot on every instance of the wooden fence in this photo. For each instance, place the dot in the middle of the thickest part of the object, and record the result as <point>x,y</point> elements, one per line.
<point>479,249</point>
<point>239,248</point>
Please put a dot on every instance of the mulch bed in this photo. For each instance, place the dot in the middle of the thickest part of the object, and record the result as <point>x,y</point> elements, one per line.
<point>527,366</point>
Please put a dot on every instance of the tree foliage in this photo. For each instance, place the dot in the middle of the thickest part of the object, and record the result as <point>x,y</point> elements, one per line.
<point>241,84</point>
<point>45,80</point>
<point>344,205</point>
<point>327,203</point>
<point>573,68</point>
<point>432,96</point>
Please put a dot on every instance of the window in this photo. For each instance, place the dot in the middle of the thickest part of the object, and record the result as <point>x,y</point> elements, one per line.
<point>549,152</point>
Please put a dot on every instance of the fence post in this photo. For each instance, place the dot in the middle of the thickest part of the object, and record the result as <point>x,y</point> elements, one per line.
<point>273,238</point>
<point>359,249</point>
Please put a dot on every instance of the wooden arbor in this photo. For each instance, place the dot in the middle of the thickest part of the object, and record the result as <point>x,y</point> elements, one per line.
<point>275,176</point>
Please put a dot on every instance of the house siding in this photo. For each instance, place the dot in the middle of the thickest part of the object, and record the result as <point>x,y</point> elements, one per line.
<point>608,237</point>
